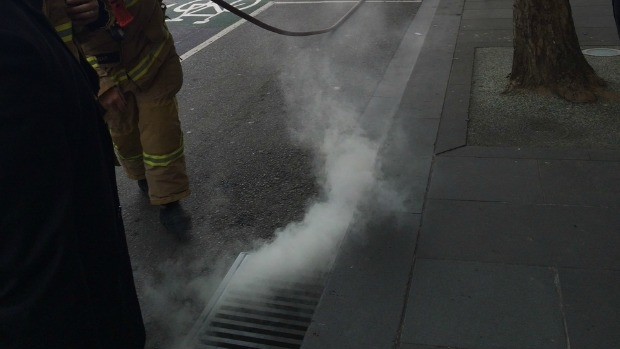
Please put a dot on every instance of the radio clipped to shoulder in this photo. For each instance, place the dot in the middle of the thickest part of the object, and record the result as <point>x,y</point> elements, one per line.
<point>122,16</point>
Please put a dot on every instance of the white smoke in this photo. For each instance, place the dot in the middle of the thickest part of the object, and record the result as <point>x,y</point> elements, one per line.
<point>305,247</point>
<point>172,298</point>
<point>346,166</point>
<point>348,176</point>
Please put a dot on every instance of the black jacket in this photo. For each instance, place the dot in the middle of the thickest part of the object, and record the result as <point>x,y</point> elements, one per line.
<point>65,274</point>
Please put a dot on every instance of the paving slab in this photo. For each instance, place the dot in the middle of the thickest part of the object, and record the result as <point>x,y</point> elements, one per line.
<point>368,312</point>
<point>410,177</point>
<point>414,136</point>
<point>604,155</point>
<point>420,99</point>
<point>584,183</point>
<point>526,153</point>
<point>486,36</point>
<point>547,235</point>
<point>479,5</point>
<point>376,119</point>
<point>484,13</point>
<point>592,10</point>
<point>450,7</point>
<point>483,306</point>
<point>420,346</point>
<point>591,303</point>
<point>598,21</point>
<point>427,86</point>
<point>589,3</point>
<point>453,126</point>
<point>485,179</point>
<point>461,73</point>
<point>405,160</point>
<point>488,23</point>
<point>597,37</point>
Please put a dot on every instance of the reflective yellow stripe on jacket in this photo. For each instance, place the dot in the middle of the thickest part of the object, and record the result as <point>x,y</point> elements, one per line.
<point>145,64</point>
<point>65,31</point>
<point>139,70</point>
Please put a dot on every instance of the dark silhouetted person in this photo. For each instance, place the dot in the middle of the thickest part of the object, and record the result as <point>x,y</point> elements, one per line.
<point>65,274</point>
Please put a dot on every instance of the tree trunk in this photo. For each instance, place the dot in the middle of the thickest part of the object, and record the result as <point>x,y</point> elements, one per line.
<point>547,53</point>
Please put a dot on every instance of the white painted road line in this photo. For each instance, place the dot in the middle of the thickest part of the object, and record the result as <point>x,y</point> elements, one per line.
<point>215,37</point>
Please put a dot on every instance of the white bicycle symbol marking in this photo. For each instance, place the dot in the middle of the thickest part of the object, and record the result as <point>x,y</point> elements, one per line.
<point>206,9</point>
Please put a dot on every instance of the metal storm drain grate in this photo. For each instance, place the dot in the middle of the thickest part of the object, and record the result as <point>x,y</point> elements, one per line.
<point>256,313</point>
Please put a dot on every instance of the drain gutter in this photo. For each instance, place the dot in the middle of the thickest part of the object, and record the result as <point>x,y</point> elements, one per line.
<point>256,312</point>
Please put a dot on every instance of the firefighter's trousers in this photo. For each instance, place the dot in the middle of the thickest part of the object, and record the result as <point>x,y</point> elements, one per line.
<point>147,136</point>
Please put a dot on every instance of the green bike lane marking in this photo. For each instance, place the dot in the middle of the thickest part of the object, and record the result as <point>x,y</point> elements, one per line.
<point>236,23</point>
<point>206,14</point>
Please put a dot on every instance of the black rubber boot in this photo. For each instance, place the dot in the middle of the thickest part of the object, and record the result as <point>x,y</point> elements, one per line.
<point>175,219</point>
<point>144,186</point>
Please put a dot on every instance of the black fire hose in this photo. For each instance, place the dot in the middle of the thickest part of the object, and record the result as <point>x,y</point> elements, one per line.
<point>266,26</point>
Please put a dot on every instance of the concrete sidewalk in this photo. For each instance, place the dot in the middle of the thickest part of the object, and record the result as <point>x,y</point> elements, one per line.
<point>498,247</point>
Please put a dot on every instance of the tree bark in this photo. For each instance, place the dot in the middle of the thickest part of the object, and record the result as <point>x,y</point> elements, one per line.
<point>547,54</point>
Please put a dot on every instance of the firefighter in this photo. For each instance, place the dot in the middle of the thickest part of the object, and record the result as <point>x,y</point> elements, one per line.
<point>140,74</point>
<point>65,275</point>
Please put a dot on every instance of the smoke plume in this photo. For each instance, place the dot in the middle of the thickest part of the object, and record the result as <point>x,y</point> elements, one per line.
<point>324,120</point>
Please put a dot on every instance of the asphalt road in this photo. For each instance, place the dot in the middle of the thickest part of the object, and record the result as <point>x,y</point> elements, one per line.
<point>252,107</point>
